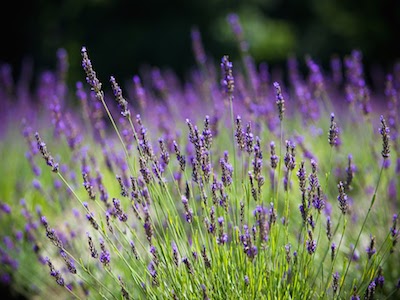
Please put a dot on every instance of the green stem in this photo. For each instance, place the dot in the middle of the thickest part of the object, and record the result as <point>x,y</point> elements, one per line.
<point>235,171</point>
<point>334,260</point>
<point>362,227</point>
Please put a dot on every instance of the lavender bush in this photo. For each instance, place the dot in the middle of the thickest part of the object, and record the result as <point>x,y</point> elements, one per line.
<point>235,184</point>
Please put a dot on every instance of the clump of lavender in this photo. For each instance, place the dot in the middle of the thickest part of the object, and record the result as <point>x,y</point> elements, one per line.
<point>163,206</point>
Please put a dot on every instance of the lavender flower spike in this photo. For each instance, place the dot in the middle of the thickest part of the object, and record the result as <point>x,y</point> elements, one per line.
<point>91,76</point>
<point>122,103</point>
<point>55,273</point>
<point>228,81</point>
<point>274,158</point>
<point>371,248</point>
<point>369,293</point>
<point>384,130</point>
<point>335,282</point>
<point>342,198</point>
<point>280,102</point>
<point>45,153</point>
<point>333,132</point>
<point>104,255</point>
<point>311,243</point>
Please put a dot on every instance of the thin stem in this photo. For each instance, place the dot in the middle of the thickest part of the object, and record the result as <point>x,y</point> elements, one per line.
<point>362,227</point>
<point>235,171</point>
<point>119,135</point>
<point>334,260</point>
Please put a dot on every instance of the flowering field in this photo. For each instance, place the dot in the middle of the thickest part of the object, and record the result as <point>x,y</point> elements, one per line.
<point>234,184</point>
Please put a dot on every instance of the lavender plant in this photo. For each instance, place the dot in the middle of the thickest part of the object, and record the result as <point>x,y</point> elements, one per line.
<point>226,187</point>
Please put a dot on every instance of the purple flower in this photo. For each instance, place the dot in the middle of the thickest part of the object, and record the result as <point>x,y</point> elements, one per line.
<point>384,131</point>
<point>104,255</point>
<point>342,198</point>
<point>328,227</point>
<point>90,218</point>
<point>227,171</point>
<point>369,294</point>
<point>239,134</point>
<point>249,139</point>
<point>188,211</point>
<point>274,158</point>
<point>371,248</point>
<point>55,273</point>
<point>287,250</point>
<point>5,208</point>
<point>380,280</point>
<point>175,253</point>
<point>280,102</point>
<point>311,246</point>
<point>355,296</point>
<point>91,77</point>
<point>123,217</point>
<point>333,251</point>
<point>303,212</point>
<point>228,81</point>
<point>315,78</point>
<point>5,278</point>
<point>393,229</point>
<point>301,175</point>
<point>69,262</point>
<point>122,103</point>
<point>19,235</point>
<point>8,242</point>
<point>36,184</point>
<point>350,172</point>
<point>152,270</point>
<point>134,251</point>
<point>148,225</point>
<point>333,134</point>
<point>204,289</point>
<point>335,283</point>
<point>45,154</point>
<point>189,267</point>
<point>318,201</point>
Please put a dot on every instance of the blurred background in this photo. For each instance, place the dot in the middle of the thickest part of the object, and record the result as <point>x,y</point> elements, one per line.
<point>123,35</point>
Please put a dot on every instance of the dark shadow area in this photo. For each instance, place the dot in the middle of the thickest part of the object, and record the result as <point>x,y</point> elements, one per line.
<point>123,35</point>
